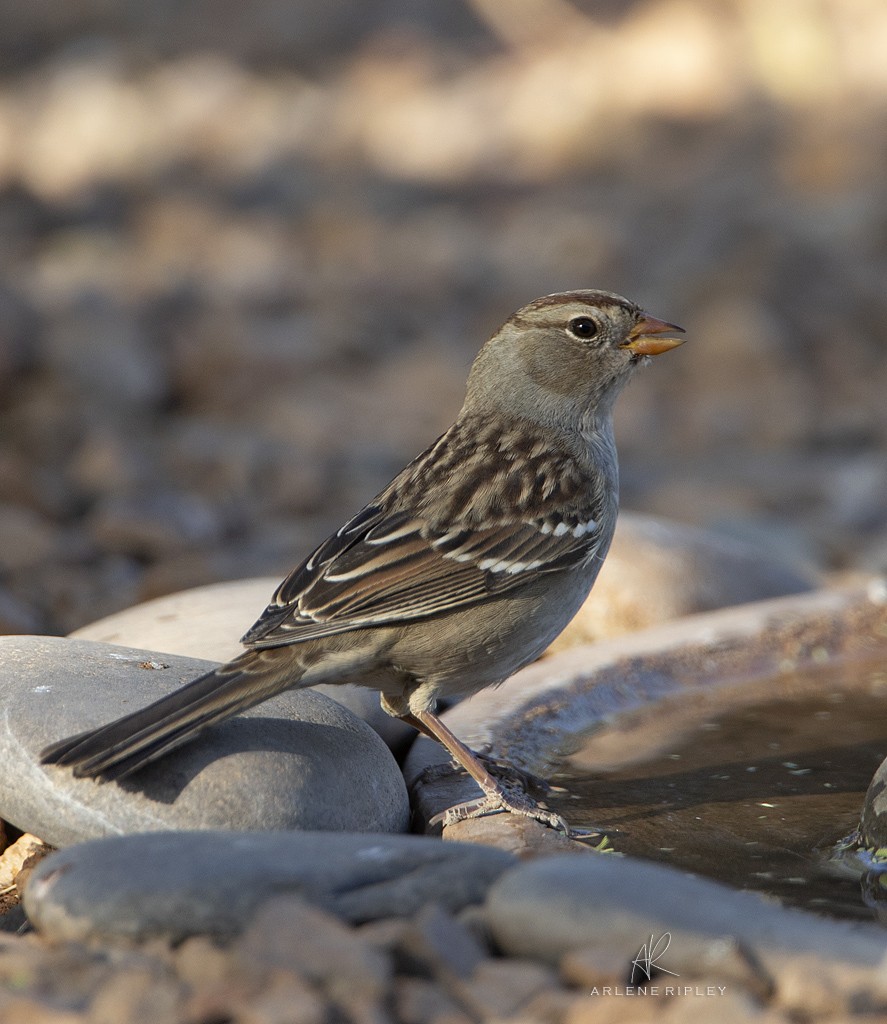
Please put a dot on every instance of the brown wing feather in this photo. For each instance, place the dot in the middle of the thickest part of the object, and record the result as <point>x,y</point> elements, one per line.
<point>410,577</point>
<point>400,559</point>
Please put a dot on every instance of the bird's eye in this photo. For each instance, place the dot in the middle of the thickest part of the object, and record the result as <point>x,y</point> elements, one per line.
<point>583,327</point>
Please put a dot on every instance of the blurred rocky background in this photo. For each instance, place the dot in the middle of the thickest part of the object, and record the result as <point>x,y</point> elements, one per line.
<point>248,251</point>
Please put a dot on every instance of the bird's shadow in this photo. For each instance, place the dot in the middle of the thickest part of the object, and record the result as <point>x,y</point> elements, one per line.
<point>165,780</point>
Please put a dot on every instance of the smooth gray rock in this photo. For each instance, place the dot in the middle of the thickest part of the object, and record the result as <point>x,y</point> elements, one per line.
<point>288,936</point>
<point>175,884</point>
<point>547,907</point>
<point>298,761</point>
<point>208,622</point>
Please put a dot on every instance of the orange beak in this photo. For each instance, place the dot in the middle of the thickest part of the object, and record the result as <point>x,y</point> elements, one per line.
<point>646,338</point>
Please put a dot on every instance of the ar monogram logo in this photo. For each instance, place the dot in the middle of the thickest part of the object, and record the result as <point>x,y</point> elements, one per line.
<point>649,955</point>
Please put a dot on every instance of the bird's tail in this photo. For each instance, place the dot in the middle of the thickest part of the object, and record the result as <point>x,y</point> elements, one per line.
<point>115,750</point>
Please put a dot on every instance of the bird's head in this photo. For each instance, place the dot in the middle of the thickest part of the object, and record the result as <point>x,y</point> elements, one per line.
<point>565,356</point>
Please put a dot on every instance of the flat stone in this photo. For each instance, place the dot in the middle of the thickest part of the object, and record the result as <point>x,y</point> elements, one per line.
<point>436,943</point>
<point>524,837</point>
<point>812,988</point>
<point>297,761</point>
<point>175,884</point>
<point>349,970</point>
<point>417,1000</point>
<point>501,988</point>
<point>207,622</point>
<point>548,907</point>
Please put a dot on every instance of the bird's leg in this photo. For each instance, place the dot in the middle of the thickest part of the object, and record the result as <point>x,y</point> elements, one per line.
<point>510,774</point>
<point>507,773</point>
<point>498,795</point>
<point>504,795</point>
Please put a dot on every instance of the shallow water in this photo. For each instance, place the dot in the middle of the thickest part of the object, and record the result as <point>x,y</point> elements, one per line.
<point>754,793</point>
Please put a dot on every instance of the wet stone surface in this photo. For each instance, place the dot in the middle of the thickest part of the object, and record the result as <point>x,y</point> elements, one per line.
<point>752,791</point>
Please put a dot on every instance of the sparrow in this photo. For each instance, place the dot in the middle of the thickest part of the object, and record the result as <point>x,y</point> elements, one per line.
<point>461,571</point>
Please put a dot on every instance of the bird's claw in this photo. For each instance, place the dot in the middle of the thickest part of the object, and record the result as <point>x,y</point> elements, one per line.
<point>597,839</point>
<point>510,795</point>
<point>496,803</point>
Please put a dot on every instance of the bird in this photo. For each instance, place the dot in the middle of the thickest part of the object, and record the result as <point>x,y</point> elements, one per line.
<point>459,572</point>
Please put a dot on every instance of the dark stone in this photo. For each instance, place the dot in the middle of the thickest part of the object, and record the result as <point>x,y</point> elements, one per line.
<point>175,884</point>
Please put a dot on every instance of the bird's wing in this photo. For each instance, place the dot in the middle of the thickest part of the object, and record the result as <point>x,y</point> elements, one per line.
<point>383,568</point>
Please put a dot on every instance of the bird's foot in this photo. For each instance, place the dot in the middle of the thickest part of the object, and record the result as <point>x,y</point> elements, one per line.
<point>514,801</point>
<point>496,803</point>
